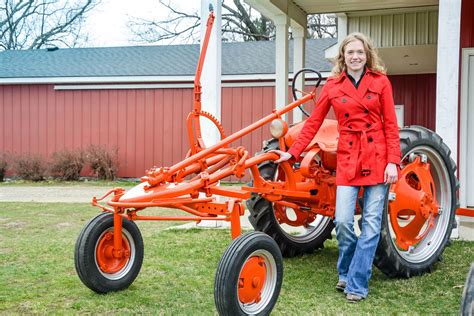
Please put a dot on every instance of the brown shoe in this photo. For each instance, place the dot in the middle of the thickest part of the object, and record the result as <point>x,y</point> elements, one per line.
<point>353,298</point>
<point>341,286</point>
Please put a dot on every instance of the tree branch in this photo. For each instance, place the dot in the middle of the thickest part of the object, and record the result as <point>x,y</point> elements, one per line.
<point>35,23</point>
<point>239,22</point>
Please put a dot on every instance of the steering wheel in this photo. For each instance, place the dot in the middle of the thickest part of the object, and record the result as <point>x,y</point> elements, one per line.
<point>294,90</point>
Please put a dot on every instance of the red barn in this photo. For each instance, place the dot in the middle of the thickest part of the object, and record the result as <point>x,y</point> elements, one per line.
<point>132,98</point>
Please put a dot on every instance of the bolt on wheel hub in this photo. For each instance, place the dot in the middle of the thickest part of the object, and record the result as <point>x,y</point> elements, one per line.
<point>252,280</point>
<point>414,209</point>
<point>108,260</point>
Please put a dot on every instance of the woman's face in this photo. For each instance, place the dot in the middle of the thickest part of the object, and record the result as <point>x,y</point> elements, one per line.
<point>355,56</point>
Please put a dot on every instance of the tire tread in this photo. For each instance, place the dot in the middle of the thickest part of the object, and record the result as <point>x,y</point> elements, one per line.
<point>387,258</point>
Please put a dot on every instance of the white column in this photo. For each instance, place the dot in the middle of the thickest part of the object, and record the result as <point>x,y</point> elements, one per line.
<point>447,77</point>
<point>281,61</point>
<point>211,82</point>
<point>342,30</point>
<point>342,26</point>
<point>211,73</point>
<point>299,41</point>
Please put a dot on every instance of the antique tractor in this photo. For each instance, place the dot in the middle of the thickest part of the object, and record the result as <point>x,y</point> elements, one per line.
<point>291,207</point>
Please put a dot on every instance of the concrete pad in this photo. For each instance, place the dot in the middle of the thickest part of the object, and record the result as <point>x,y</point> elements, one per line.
<point>244,224</point>
<point>466,228</point>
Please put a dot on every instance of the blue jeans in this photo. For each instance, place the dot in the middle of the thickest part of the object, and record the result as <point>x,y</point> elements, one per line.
<point>356,255</point>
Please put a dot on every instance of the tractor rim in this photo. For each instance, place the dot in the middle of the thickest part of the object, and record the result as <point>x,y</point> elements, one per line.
<point>302,234</point>
<point>295,231</point>
<point>257,282</point>
<point>430,238</point>
<point>109,266</point>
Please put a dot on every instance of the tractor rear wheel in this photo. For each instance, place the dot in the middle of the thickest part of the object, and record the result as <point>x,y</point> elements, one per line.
<point>420,207</point>
<point>98,267</point>
<point>249,276</point>
<point>293,240</point>
<point>467,300</point>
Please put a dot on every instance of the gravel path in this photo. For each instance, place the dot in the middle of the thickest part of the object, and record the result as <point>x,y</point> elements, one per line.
<point>71,194</point>
<point>84,194</point>
<point>78,194</point>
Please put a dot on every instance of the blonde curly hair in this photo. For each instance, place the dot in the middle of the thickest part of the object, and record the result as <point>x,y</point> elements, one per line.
<point>374,63</point>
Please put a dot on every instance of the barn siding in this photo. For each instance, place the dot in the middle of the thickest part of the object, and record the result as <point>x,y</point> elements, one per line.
<point>467,24</point>
<point>242,106</point>
<point>39,119</point>
<point>147,126</point>
<point>418,95</point>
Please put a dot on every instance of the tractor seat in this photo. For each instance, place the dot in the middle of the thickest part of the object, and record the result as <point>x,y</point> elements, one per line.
<point>326,138</point>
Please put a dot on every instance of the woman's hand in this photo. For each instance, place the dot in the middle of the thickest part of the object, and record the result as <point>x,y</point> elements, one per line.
<point>391,174</point>
<point>284,156</point>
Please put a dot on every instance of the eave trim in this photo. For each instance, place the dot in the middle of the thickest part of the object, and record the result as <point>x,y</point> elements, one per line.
<point>138,79</point>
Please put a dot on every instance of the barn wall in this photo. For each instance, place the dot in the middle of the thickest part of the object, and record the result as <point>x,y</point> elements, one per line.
<point>147,126</point>
<point>38,119</point>
<point>418,95</point>
<point>241,106</point>
<point>467,24</point>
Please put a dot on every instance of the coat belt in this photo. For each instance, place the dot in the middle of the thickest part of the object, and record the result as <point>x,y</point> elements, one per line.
<point>366,151</point>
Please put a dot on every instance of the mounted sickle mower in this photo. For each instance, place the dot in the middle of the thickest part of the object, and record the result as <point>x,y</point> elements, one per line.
<point>291,205</point>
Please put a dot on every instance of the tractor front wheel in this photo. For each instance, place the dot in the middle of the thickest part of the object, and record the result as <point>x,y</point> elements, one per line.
<point>420,208</point>
<point>101,268</point>
<point>249,276</point>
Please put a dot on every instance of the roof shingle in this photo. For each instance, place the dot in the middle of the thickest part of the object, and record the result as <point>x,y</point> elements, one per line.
<point>164,60</point>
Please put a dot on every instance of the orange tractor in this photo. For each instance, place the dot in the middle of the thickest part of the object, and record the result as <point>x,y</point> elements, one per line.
<point>291,207</point>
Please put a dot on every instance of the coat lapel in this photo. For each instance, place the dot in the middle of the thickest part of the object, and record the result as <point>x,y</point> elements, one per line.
<point>348,88</point>
<point>364,84</point>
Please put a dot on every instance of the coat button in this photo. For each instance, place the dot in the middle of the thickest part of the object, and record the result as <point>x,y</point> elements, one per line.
<point>366,111</point>
<point>350,143</point>
<point>369,97</point>
<point>368,125</point>
<point>343,100</point>
<point>346,115</point>
<point>370,139</point>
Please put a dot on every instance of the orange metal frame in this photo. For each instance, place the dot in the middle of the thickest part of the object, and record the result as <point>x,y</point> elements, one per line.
<point>190,184</point>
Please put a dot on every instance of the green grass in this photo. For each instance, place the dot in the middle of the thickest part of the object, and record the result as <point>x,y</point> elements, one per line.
<point>37,272</point>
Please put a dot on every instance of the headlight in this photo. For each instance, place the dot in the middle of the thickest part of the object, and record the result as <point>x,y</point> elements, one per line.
<point>278,128</point>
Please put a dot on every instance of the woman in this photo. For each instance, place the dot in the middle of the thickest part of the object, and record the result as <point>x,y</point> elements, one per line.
<point>367,155</point>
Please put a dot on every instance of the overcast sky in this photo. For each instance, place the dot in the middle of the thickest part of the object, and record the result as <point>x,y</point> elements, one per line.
<point>107,23</point>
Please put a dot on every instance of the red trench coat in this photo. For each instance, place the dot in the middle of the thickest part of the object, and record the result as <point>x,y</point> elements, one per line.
<point>367,123</point>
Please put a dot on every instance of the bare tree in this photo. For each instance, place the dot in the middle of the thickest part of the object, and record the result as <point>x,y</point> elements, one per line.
<point>322,26</point>
<point>32,24</point>
<point>245,23</point>
<point>239,23</point>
